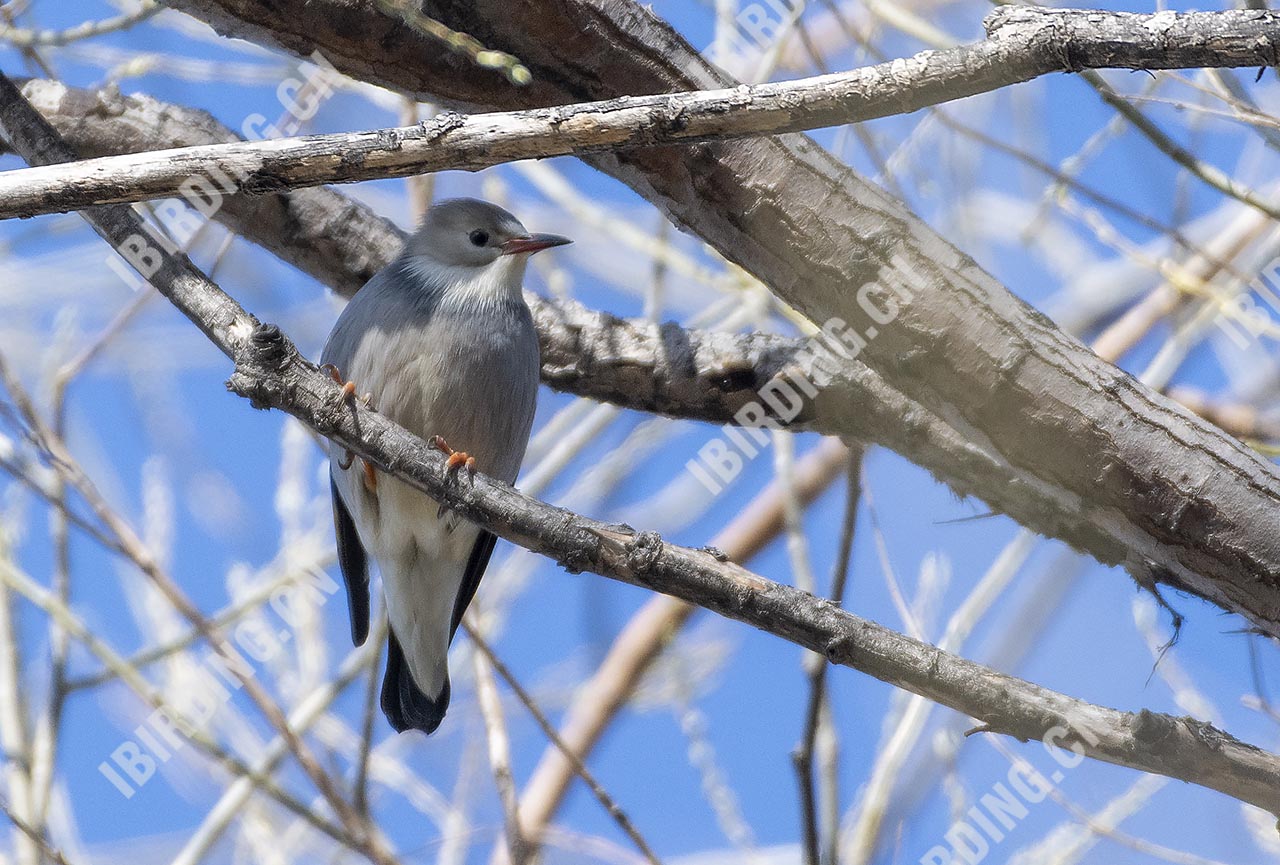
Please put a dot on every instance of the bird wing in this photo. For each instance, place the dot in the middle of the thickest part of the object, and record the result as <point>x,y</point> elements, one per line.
<point>354,563</point>
<point>481,550</point>
<point>406,706</point>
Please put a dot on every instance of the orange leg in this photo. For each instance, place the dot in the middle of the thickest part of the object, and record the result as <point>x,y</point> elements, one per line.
<point>348,392</point>
<point>348,387</point>
<point>456,458</point>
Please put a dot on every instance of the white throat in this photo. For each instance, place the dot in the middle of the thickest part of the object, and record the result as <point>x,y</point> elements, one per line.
<point>499,281</point>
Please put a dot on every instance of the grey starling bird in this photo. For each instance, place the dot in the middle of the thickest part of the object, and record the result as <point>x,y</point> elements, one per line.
<point>444,344</point>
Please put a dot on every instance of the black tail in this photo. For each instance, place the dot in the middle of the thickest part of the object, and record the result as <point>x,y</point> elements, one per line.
<point>403,702</point>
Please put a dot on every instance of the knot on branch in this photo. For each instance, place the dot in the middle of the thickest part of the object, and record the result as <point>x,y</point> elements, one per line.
<point>837,647</point>
<point>442,124</point>
<point>643,551</point>
<point>1154,731</point>
<point>635,553</point>
<point>731,378</point>
<point>270,348</point>
<point>1213,738</point>
<point>259,363</point>
<point>1268,52</point>
<point>1011,16</point>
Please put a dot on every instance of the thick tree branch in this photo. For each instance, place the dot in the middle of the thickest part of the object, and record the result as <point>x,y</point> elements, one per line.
<point>664,369</point>
<point>1116,469</point>
<point>271,373</point>
<point>1022,43</point>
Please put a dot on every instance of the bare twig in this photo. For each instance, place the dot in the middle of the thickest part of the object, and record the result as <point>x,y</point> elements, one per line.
<point>499,754</point>
<point>32,836</point>
<point>311,708</point>
<point>14,733</point>
<point>462,43</point>
<point>1022,43</point>
<point>360,784</point>
<point>1208,174</point>
<point>69,621</point>
<point>650,631</point>
<point>137,551</point>
<point>602,796</point>
<point>23,38</point>
<point>817,853</point>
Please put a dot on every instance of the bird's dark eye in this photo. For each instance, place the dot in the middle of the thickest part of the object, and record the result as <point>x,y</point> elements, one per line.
<point>479,237</point>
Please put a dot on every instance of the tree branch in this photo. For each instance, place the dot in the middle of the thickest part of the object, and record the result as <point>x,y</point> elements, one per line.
<point>635,364</point>
<point>1112,467</point>
<point>226,323</point>
<point>684,373</point>
<point>272,374</point>
<point>1022,43</point>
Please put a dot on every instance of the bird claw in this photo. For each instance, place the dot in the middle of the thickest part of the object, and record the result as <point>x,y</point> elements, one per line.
<point>456,458</point>
<point>346,397</point>
<point>370,473</point>
<point>348,394</point>
<point>461,458</point>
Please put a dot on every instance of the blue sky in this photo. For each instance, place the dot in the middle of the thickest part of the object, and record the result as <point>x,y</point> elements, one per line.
<point>151,418</point>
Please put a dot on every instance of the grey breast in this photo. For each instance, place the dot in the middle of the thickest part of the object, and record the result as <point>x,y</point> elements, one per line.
<point>451,366</point>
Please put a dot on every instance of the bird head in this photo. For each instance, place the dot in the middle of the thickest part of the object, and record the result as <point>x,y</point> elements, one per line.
<point>476,245</point>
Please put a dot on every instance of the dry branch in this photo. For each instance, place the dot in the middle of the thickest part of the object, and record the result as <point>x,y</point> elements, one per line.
<point>1104,462</point>
<point>1022,43</point>
<point>271,373</point>
<point>684,373</point>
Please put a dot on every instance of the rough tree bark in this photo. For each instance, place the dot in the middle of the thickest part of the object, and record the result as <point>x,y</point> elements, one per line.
<point>665,369</point>
<point>1020,46</point>
<point>1134,479</point>
<point>272,374</point>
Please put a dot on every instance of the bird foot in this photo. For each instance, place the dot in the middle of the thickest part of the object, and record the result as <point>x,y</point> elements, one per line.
<point>456,458</point>
<point>370,473</point>
<point>345,398</point>
<point>348,388</point>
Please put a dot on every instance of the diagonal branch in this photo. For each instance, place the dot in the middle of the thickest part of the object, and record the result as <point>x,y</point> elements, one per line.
<point>1022,43</point>
<point>1114,468</point>
<point>272,374</point>
<point>222,319</point>
<point>635,364</point>
<point>684,373</point>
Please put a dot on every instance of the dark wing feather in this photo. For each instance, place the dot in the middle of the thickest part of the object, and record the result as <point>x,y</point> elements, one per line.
<point>476,563</point>
<point>354,562</point>
<point>403,702</point>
